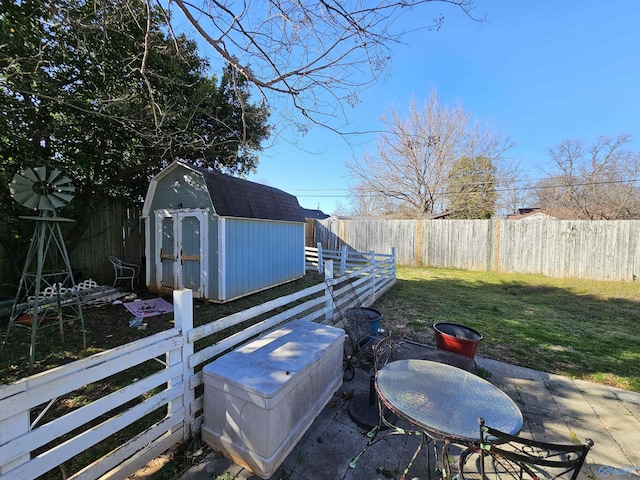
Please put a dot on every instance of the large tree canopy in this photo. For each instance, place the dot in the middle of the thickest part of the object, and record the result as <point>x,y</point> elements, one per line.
<point>471,193</point>
<point>104,92</point>
<point>415,162</point>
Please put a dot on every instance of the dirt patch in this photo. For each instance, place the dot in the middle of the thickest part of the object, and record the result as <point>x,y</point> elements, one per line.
<point>107,326</point>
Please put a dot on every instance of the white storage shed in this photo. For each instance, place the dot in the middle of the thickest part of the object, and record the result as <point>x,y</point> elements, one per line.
<point>221,236</point>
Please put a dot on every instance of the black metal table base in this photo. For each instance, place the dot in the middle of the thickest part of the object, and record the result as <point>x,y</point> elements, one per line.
<point>364,411</point>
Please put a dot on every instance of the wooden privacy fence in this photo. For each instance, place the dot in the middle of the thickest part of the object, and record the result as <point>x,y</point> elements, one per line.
<point>115,228</point>
<point>600,250</point>
<point>32,444</point>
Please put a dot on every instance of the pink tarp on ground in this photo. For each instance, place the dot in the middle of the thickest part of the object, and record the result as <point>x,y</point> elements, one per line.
<point>149,308</point>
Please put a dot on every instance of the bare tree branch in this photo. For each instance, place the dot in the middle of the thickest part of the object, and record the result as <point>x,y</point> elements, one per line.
<point>306,50</point>
<point>595,182</point>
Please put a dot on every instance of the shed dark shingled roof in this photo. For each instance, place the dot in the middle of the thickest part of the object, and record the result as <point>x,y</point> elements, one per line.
<point>235,197</point>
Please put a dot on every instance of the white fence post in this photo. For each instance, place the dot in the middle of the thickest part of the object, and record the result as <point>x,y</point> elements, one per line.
<point>11,428</point>
<point>393,261</point>
<point>372,289</point>
<point>183,318</point>
<point>328,273</point>
<point>343,260</point>
<point>319,245</point>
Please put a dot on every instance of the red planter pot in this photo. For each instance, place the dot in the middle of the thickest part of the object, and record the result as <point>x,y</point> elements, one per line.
<point>457,338</point>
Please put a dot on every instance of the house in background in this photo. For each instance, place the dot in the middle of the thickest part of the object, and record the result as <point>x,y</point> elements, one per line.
<point>535,213</point>
<point>446,215</point>
<point>529,214</point>
<point>218,235</point>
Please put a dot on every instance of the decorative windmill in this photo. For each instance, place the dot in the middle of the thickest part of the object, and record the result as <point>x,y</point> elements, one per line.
<point>47,283</point>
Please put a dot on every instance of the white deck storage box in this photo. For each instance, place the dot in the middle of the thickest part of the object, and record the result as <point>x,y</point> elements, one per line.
<point>260,399</point>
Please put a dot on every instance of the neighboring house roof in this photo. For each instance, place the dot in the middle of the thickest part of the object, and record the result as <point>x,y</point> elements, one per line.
<point>535,213</point>
<point>314,213</point>
<point>529,214</point>
<point>235,197</point>
<point>438,216</point>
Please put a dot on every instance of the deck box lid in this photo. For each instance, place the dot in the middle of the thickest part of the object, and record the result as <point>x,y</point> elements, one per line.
<point>265,366</point>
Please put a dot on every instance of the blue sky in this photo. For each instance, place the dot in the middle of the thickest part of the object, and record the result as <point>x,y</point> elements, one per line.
<point>541,71</point>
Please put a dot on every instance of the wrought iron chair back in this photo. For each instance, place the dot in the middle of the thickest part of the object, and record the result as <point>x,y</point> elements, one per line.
<point>520,457</point>
<point>124,270</point>
<point>382,353</point>
<point>355,318</point>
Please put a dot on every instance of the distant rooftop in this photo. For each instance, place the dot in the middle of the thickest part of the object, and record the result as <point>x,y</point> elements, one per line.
<point>314,213</point>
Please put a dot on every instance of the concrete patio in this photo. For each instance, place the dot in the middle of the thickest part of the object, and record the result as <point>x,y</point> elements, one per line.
<point>555,409</point>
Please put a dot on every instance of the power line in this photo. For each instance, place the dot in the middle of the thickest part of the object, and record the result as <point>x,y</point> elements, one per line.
<point>498,190</point>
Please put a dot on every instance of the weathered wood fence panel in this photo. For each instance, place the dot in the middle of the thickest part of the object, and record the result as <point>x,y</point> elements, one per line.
<point>115,229</point>
<point>460,243</point>
<point>600,250</point>
<point>370,234</point>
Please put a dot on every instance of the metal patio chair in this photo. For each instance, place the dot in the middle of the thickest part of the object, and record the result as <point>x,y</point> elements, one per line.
<point>520,458</point>
<point>124,271</point>
<point>355,318</point>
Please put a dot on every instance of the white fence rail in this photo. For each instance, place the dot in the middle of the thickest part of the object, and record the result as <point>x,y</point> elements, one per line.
<point>21,436</point>
<point>598,249</point>
<point>31,444</point>
<point>345,261</point>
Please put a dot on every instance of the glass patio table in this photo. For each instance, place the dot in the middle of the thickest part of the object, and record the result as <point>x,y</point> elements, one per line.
<point>445,401</point>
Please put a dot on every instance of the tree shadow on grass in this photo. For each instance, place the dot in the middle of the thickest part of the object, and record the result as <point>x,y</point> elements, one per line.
<point>544,327</point>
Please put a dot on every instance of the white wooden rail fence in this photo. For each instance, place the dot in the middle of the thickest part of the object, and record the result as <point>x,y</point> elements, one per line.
<point>26,448</point>
<point>345,260</point>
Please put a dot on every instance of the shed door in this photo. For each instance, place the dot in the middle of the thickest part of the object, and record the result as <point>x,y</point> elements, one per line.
<point>166,254</point>
<point>181,260</point>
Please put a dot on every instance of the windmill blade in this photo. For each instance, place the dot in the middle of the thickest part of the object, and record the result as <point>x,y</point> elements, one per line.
<point>45,203</point>
<point>65,188</point>
<point>28,198</point>
<point>53,175</point>
<point>62,181</point>
<point>30,175</point>
<point>20,187</point>
<point>32,201</point>
<point>41,172</point>
<point>20,179</point>
<point>55,202</point>
<point>64,197</point>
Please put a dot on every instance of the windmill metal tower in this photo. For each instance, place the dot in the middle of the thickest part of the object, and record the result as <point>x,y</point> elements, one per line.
<point>47,285</point>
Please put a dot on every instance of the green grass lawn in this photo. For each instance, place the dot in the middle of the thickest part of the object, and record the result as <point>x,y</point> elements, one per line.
<point>578,328</point>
